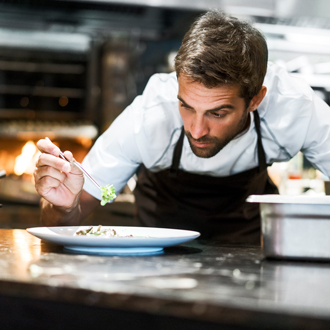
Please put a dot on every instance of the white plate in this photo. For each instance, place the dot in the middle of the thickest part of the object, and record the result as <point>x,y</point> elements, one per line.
<point>298,199</point>
<point>145,239</point>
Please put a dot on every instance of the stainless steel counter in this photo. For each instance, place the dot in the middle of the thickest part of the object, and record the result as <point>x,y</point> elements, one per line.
<point>199,285</point>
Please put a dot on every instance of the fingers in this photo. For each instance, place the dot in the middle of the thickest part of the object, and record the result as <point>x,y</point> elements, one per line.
<point>68,155</point>
<point>49,171</point>
<point>55,162</point>
<point>55,179</point>
<point>45,184</point>
<point>48,147</point>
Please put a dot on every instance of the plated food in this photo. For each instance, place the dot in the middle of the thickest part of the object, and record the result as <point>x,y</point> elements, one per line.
<point>108,232</point>
<point>127,240</point>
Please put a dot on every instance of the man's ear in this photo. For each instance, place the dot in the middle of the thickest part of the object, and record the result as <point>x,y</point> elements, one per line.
<point>256,100</point>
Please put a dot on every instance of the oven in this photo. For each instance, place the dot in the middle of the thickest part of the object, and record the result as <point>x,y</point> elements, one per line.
<point>67,70</point>
<point>49,86</point>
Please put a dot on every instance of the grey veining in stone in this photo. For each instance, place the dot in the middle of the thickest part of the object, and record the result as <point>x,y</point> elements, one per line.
<point>199,280</point>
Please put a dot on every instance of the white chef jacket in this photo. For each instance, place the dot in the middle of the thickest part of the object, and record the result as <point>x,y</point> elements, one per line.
<point>293,119</point>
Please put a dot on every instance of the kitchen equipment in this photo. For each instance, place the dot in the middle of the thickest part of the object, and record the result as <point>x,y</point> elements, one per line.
<point>294,226</point>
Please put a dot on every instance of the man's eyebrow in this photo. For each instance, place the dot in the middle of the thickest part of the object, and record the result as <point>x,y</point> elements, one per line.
<point>185,104</point>
<point>223,106</point>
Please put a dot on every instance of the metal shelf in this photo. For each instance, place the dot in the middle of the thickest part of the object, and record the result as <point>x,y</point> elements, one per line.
<point>35,129</point>
<point>42,67</point>
<point>42,91</point>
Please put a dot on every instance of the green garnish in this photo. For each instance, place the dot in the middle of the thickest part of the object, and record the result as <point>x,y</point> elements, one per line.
<point>89,232</point>
<point>108,193</point>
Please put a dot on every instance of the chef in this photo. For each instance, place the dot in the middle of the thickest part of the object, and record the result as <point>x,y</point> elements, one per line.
<point>200,139</point>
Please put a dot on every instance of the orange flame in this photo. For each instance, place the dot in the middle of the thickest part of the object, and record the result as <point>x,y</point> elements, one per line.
<point>25,162</point>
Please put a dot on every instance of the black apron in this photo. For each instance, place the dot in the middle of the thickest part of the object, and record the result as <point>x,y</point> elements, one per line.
<point>214,206</point>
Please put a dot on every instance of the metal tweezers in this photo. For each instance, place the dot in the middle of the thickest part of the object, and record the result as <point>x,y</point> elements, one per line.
<point>74,162</point>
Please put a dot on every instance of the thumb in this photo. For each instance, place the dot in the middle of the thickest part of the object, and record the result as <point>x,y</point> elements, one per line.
<point>68,155</point>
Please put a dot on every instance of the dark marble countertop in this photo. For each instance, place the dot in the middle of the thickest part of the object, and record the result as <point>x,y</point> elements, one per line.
<point>202,281</point>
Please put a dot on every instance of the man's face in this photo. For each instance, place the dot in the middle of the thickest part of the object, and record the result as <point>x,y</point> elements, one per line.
<point>212,117</point>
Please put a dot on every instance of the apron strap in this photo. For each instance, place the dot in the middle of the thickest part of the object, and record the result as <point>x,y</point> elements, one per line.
<point>177,154</point>
<point>261,153</point>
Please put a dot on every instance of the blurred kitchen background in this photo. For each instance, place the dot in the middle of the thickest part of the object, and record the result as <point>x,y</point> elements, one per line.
<point>69,68</point>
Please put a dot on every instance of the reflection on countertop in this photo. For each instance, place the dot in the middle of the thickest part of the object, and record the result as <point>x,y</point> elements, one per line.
<point>200,281</point>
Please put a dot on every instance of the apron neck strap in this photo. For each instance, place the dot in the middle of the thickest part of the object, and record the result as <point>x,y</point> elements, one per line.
<point>261,153</point>
<point>177,154</point>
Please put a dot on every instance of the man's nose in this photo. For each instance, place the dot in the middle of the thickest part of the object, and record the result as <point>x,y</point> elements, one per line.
<point>198,127</point>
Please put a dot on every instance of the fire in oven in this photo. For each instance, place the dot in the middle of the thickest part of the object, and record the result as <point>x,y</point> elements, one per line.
<point>48,87</point>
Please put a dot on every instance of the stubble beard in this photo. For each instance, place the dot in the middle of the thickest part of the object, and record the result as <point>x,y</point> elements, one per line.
<point>216,143</point>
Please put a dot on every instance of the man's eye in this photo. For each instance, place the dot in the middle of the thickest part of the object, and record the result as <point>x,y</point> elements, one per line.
<point>216,114</point>
<point>184,106</point>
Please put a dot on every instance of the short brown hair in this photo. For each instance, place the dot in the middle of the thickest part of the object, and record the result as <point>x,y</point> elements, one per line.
<point>220,49</point>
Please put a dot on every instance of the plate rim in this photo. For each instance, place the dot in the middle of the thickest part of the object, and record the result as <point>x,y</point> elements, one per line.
<point>115,242</point>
